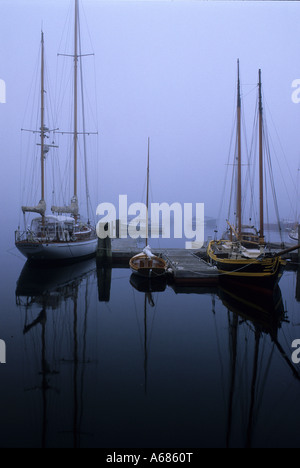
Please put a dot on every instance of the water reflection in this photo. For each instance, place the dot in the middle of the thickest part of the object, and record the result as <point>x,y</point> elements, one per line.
<point>40,292</point>
<point>55,305</point>
<point>263,315</point>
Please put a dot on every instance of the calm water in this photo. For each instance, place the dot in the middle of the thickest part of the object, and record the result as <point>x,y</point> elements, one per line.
<point>94,362</point>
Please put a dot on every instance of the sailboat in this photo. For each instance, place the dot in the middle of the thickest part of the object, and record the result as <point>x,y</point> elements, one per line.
<point>61,235</point>
<point>294,234</point>
<point>146,263</point>
<point>243,257</point>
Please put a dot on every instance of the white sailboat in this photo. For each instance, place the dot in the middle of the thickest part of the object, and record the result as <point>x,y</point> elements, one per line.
<point>294,234</point>
<point>61,235</point>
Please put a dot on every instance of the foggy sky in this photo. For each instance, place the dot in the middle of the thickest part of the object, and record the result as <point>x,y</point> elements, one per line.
<point>164,70</point>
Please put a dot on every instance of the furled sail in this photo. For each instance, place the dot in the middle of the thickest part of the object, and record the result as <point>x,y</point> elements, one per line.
<point>147,251</point>
<point>71,209</point>
<point>40,208</point>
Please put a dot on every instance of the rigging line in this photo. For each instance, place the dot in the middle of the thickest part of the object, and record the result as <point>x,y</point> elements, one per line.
<point>263,377</point>
<point>266,207</point>
<point>83,125</point>
<point>233,180</point>
<point>248,187</point>
<point>227,168</point>
<point>285,339</point>
<point>87,26</point>
<point>137,319</point>
<point>153,318</point>
<point>84,360</point>
<point>249,175</point>
<point>93,53</point>
<point>66,28</point>
<point>251,90</point>
<point>33,86</point>
<point>233,127</point>
<point>149,213</point>
<point>280,144</point>
<point>272,183</point>
<point>281,173</point>
<point>254,157</point>
<point>220,354</point>
<point>252,213</point>
<point>48,93</point>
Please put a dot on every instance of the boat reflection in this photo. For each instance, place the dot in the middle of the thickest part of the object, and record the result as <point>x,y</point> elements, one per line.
<point>55,304</point>
<point>148,285</point>
<point>256,319</point>
<point>62,344</point>
<point>265,311</point>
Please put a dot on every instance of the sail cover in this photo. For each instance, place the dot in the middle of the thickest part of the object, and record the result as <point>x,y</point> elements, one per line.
<point>147,251</point>
<point>40,208</point>
<point>71,209</point>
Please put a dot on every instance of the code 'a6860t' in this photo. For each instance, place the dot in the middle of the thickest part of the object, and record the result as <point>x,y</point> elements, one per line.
<point>171,457</point>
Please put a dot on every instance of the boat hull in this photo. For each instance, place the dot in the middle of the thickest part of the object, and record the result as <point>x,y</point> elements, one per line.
<point>148,285</point>
<point>147,267</point>
<point>293,235</point>
<point>57,251</point>
<point>261,273</point>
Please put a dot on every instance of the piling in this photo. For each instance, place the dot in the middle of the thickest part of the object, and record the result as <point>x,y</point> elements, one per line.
<point>299,243</point>
<point>298,271</point>
<point>104,252</point>
<point>104,282</point>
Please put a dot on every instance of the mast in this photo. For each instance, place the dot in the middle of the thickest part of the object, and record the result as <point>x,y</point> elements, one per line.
<point>42,122</point>
<point>73,207</point>
<point>239,181</point>
<point>147,199</point>
<point>75,95</point>
<point>261,166</point>
<point>145,342</point>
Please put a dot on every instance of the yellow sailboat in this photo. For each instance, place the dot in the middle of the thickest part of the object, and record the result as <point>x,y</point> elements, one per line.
<point>244,257</point>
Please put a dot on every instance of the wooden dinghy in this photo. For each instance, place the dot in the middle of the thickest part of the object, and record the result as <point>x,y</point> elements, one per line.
<point>147,264</point>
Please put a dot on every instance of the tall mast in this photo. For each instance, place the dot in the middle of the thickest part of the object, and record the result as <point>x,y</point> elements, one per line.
<point>147,199</point>
<point>239,181</point>
<point>261,167</point>
<point>42,121</point>
<point>75,95</point>
<point>145,342</point>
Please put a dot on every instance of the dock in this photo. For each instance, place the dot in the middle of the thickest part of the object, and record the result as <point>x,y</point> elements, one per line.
<point>185,267</point>
<point>188,268</point>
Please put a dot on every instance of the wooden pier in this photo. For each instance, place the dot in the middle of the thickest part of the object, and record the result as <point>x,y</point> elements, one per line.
<point>188,268</point>
<point>185,267</point>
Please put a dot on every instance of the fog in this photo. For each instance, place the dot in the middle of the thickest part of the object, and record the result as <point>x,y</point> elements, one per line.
<point>164,70</point>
